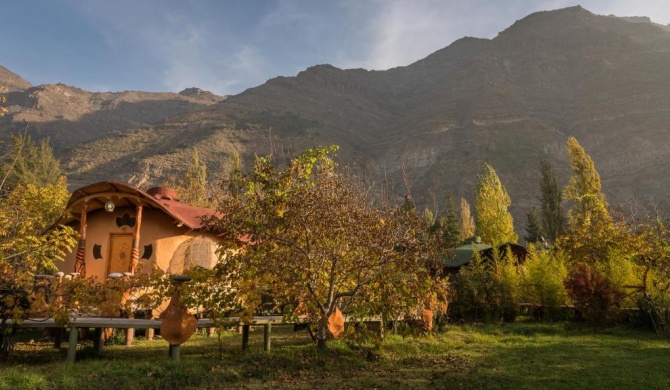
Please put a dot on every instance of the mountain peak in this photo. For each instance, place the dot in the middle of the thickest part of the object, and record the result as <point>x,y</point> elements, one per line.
<point>553,20</point>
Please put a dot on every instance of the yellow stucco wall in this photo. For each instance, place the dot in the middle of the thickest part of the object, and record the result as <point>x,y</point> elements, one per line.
<point>157,229</point>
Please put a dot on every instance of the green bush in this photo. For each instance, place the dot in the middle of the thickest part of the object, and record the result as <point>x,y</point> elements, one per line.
<point>542,276</point>
<point>486,290</point>
<point>658,308</point>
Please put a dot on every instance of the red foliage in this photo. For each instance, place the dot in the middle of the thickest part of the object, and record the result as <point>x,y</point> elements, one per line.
<point>593,294</point>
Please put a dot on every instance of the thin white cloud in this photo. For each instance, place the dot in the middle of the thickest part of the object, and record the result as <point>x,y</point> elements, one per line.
<point>404,31</point>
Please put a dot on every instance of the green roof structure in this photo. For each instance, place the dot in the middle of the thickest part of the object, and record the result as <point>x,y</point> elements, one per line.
<point>462,254</point>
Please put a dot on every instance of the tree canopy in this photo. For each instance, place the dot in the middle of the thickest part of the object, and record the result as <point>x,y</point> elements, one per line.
<point>317,242</point>
<point>494,222</point>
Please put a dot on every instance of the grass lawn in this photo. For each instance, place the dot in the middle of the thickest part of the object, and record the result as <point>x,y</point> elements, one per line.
<point>518,356</point>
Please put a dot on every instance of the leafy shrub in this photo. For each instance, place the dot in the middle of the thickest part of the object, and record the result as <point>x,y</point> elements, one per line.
<point>487,290</point>
<point>594,295</point>
<point>542,277</point>
<point>658,308</point>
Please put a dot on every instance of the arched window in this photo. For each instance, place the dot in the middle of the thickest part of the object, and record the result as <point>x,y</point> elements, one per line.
<point>198,251</point>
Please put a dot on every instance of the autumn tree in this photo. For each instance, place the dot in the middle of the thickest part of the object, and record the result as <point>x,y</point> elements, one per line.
<point>652,258</point>
<point>315,241</point>
<point>584,191</point>
<point>552,218</point>
<point>493,220</point>
<point>602,245</point>
<point>25,251</point>
<point>33,199</point>
<point>467,227</point>
<point>593,236</point>
<point>29,163</point>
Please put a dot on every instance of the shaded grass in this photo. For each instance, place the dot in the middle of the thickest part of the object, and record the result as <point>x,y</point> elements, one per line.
<point>518,356</point>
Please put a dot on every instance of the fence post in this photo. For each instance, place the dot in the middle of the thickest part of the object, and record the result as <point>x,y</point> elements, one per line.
<point>267,329</point>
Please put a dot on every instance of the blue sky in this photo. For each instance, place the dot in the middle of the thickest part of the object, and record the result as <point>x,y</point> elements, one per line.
<point>226,46</point>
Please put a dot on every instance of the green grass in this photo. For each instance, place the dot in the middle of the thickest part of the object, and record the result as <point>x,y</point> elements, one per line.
<point>518,356</point>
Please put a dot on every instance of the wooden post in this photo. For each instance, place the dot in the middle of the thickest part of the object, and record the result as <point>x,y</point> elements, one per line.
<point>150,333</point>
<point>80,257</point>
<point>135,254</point>
<point>245,336</point>
<point>175,352</point>
<point>130,335</point>
<point>210,331</point>
<point>99,340</point>
<point>134,261</point>
<point>58,337</point>
<point>267,329</point>
<point>72,345</point>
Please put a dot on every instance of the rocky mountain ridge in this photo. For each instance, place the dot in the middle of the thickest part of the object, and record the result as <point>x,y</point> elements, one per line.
<point>70,116</point>
<point>508,101</point>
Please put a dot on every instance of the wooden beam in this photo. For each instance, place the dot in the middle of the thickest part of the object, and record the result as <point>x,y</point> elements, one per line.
<point>80,257</point>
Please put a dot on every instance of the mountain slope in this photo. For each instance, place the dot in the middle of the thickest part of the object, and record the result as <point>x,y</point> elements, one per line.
<point>508,101</point>
<point>70,115</point>
<point>10,81</point>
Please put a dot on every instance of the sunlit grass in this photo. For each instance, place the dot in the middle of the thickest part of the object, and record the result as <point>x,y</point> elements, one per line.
<point>525,355</point>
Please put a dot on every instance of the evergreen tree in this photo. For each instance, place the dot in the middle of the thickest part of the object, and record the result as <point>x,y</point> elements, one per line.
<point>552,218</point>
<point>467,229</point>
<point>451,230</point>
<point>533,227</point>
<point>493,220</point>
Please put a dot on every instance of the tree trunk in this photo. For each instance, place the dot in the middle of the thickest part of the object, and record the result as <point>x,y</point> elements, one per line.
<point>321,334</point>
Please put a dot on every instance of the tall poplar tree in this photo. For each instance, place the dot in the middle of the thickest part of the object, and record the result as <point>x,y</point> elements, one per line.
<point>467,229</point>
<point>593,235</point>
<point>551,214</point>
<point>493,220</point>
<point>584,189</point>
<point>192,188</point>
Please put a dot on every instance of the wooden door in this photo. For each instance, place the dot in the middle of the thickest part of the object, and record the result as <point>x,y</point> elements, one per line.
<point>120,248</point>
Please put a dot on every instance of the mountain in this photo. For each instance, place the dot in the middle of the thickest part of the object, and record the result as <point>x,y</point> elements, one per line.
<point>508,101</point>
<point>69,115</point>
<point>10,81</point>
